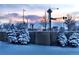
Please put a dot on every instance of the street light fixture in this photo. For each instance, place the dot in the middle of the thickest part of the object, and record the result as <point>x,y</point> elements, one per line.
<point>49,16</point>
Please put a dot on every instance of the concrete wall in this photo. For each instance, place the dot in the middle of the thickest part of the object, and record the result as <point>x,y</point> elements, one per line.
<point>44,38</point>
<point>53,38</point>
<point>3,36</point>
<point>32,35</point>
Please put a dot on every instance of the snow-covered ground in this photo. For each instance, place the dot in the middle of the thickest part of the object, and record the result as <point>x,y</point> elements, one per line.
<point>30,49</point>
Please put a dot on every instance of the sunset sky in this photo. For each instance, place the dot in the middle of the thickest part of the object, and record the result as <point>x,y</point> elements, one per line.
<point>15,11</point>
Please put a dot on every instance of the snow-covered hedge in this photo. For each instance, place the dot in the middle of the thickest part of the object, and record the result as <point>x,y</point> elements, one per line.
<point>72,41</point>
<point>18,35</point>
<point>21,37</point>
<point>62,39</point>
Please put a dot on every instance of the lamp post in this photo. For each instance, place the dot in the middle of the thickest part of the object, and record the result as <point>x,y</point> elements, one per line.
<point>49,16</point>
<point>45,21</point>
<point>27,23</point>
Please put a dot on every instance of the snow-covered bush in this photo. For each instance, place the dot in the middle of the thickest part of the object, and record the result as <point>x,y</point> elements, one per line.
<point>62,39</point>
<point>74,39</point>
<point>16,35</point>
<point>23,37</point>
<point>12,37</point>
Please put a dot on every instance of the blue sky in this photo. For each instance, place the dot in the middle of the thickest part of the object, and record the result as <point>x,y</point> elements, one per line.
<point>33,7</point>
<point>36,9</point>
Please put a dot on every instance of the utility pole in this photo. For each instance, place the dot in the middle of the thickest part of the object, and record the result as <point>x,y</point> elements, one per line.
<point>45,20</point>
<point>10,21</point>
<point>27,23</point>
<point>23,16</point>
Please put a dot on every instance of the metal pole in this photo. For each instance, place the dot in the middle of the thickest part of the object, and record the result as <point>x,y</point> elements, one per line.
<point>49,17</point>
<point>45,21</point>
<point>23,16</point>
<point>27,23</point>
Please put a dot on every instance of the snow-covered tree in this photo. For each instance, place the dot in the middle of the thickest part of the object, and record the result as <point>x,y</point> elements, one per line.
<point>74,39</point>
<point>21,35</point>
<point>62,39</point>
<point>70,23</point>
<point>12,34</point>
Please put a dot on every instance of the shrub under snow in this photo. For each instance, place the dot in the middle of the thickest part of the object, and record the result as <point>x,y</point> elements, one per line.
<point>62,39</point>
<point>21,37</point>
<point>16,35</point>
<point>74,40</point>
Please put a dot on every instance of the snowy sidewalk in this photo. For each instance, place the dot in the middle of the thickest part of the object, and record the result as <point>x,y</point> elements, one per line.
<point>11,49</point>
